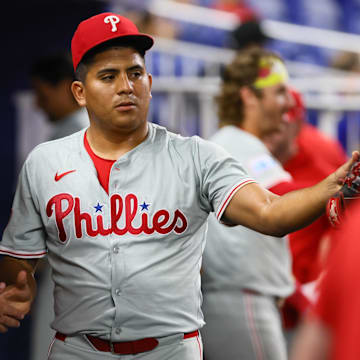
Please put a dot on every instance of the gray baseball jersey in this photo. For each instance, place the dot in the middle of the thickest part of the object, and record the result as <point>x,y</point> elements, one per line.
<point>243,270</point>
<point>126,265</point>
<point>237,257</point>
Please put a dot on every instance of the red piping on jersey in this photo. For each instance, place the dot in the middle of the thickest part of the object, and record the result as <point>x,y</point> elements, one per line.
<point>23,255</point>
<point>198,341</point>
<point>231,194</point>
<point>259,354</point>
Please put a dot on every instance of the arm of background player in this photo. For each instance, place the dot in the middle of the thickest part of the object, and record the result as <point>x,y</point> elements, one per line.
<point>18,275</point>
<point>259,209</point>
<point>312,342</point>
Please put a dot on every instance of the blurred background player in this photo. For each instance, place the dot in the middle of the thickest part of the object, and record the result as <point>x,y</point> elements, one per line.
<point>263,273</point>
<point>247,274</point>
<point>294,146</point>
<point>51,77</point>
<point>332,330</point>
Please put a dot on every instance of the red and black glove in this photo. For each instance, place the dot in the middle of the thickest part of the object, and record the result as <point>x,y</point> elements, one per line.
<point>335,208</point>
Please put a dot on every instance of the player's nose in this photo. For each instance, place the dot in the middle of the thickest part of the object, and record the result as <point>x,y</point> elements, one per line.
<point>289,101</point>
<point>124,85</point>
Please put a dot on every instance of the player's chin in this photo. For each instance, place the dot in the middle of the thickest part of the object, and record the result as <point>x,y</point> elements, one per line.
<point>127,122</point>
<point>125,116</point>
<point>126,112</point>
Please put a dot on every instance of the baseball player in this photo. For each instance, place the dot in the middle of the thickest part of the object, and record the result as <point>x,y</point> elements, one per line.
<point>120,210</point>
<point>246,273</point>
<point>308,245</point>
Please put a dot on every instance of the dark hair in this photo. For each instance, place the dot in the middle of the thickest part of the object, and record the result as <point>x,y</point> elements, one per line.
<point>241,72</point>
<point>247,34</point>
<point>53,68</point>
<point>83,67</point>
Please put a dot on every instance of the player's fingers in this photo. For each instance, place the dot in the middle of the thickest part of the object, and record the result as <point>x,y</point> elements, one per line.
<point>355,156</point>
<point>3,329</point>
<point>16,294</point>
<point>9,321</point>
<point>2,287</point>
<point>343,170</point>
<point>13,312</point>
<point>21,280</point>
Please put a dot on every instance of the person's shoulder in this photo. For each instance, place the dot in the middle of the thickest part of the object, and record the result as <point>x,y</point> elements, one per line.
<point>233,135</point>
<point>238,142</point>
<point>163,134</point>
<point>191,145</point>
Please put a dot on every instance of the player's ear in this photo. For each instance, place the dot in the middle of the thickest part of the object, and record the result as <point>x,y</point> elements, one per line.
<point>77,88</point>
<point>150,83</point>
<point>247,96</point>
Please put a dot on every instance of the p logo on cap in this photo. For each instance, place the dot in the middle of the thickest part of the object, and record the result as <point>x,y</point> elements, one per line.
<point>104,27</point>
<point>113,20</point>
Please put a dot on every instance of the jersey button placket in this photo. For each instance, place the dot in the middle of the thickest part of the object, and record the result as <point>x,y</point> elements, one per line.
<point>118,271</point>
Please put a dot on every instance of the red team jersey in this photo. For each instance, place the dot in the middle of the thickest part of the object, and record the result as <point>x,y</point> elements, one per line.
<point>317,157</point>
<point>338,306</point>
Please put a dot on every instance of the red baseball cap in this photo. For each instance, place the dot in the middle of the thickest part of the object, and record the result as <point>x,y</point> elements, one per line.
<point>104,27</point>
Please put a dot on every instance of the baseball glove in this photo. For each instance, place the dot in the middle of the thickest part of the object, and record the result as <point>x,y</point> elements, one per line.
<point>350,190</point>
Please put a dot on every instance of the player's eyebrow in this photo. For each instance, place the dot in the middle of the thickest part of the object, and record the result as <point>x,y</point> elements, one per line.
<point>106,71</point>
<point>136,67</point>
<point>115,71</point>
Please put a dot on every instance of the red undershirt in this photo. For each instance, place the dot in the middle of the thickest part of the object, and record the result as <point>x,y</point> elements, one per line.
<point>103,166</point>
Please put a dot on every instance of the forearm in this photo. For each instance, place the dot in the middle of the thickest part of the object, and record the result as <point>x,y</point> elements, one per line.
<point>299,208</point>
<point>260,210</point>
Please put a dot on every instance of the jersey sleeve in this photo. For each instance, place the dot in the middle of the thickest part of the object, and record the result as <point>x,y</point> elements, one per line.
<point>24,236</point>
<point>221,176</point>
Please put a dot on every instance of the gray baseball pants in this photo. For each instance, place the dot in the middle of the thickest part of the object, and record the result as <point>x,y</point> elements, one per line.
<point>242,326</point>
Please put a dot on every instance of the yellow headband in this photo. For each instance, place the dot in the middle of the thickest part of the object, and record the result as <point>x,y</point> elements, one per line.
<point>272,71</point>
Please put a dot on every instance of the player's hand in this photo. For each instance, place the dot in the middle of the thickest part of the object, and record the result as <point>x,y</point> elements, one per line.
<point>338,177</point>
<point>350,189</point>
<point>20,295</point>
<point>9,316</point>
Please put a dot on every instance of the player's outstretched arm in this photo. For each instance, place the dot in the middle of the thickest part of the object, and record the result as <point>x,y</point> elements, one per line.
<point>18,288</point>
<point>263,211</point>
